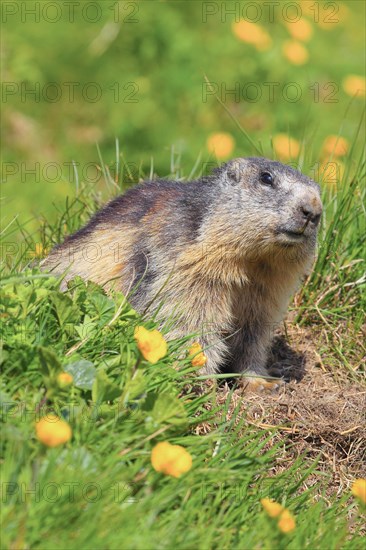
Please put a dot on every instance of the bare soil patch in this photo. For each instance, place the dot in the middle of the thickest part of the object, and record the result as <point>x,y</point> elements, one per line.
<point>317,412</point>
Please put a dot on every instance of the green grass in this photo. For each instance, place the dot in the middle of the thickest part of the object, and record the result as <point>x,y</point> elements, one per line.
<point>166,55</point>
<point>100,490</point>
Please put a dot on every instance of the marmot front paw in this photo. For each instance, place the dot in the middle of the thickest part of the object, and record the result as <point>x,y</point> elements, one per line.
<point>253,383</point>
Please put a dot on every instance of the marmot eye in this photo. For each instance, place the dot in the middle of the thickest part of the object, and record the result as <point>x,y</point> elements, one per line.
<point>266,178</point>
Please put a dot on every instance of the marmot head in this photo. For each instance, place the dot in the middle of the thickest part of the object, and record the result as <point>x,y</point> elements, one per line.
<point>276,207</point>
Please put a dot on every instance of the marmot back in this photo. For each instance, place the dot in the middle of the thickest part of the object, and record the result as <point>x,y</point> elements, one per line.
<point>223,253</point>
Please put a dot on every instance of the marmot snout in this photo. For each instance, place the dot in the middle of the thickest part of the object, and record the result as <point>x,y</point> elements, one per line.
<point>222,254</point>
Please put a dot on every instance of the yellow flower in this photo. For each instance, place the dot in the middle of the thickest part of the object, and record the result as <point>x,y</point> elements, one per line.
<point>64,379</point>
<point>335,145</point>
<point>253,34</point>
<point>171,460</point>
<point>354,85</point>
<point>285,147</point>
<point>287,522</point>
<point>301,29</point>
<point>199,359</point>
<point>359,489</point>
<point>273,509</point>
<point>295,52</point>
<point>151,343</point>
<point>52,431</point>
<point>221,144</point>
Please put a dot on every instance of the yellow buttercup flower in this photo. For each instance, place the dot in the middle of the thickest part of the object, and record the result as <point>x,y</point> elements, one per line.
<point>253,34</point>
<point>286,147</point>
<point>359,489</point>
<point>354,85</point>
<point>172,460</point>
<point>221,144</point>
<point>287,522</point>
<point>65,379</point>
<point>273,509</point>
<point>301,29</point>
<point>52,431</point>
<point>335,145</point>
<point>295,52</point>
<point>199,359</point>
<point>151,343</point>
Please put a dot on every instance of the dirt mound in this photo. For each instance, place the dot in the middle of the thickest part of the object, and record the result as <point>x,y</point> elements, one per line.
<point>317,412</point>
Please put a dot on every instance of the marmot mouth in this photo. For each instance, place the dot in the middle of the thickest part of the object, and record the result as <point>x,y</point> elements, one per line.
<point>287,236</point>
<point>295,234</point>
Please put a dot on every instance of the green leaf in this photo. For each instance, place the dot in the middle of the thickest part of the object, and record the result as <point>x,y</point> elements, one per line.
<point>3,353</point>
<point>66,311</point>
<point>49,360</point>
<point>6,402</point>
<point>164,408</point>
<point>87,328</point>
<point>83,372</point>
<point>104,389</point>
<point>134,387</point>
<point>103,305</point>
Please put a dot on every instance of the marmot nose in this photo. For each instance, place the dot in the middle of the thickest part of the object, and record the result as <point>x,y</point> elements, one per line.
<point>311,213</point>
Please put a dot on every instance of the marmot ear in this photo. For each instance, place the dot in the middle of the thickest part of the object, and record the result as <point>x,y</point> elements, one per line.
<point>235,170</point>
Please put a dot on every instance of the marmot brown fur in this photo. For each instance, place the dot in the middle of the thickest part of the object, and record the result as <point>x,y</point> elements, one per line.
<point>219,257</point>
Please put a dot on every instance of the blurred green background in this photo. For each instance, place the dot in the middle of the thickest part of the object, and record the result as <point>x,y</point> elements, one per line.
<point>77,74</point>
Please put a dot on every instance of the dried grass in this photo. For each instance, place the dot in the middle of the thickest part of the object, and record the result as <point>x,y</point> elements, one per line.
<point>318,413</point>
